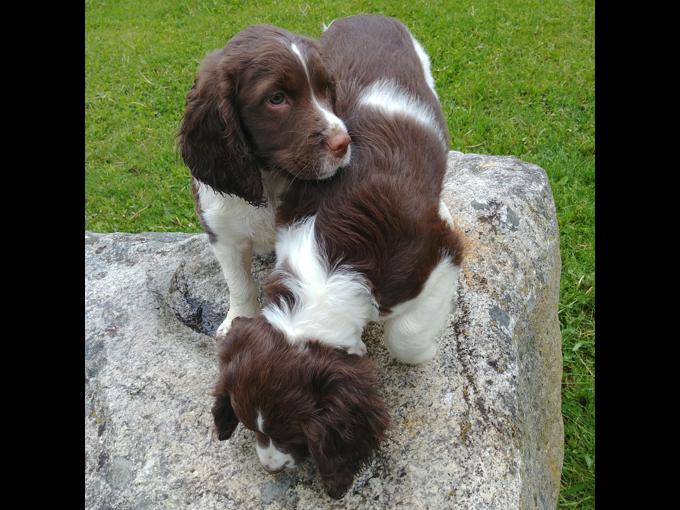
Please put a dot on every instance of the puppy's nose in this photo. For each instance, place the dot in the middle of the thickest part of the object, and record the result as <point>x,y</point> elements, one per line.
<point>338,144</point>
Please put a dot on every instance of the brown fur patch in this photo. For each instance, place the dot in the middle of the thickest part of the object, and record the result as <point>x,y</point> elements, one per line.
<point>313,400</point>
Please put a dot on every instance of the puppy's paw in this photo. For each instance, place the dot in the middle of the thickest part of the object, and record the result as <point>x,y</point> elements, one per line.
<point>224,328</point>
<point>359,349</point>
<point>231,315</point>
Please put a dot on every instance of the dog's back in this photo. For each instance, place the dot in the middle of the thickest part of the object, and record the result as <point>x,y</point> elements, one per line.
<point>381,215</point>
<point>362,50</point>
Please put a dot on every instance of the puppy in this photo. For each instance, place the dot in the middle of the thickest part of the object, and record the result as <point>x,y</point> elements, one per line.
<point>258,116</point>
<point>299,399</point>
<point>374,242</point>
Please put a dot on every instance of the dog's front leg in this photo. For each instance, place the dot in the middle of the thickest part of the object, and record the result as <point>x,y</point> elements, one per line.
<point>236,261</point>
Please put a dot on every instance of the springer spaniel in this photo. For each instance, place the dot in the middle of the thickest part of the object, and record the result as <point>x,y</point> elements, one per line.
<point>374,242</point>
<point>258,115</point>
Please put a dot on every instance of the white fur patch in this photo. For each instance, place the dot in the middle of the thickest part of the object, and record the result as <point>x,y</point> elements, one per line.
<point>234,221</point>
<point>272,458</point>
<point>411,330</point>
<point>445,214</point>
<point>297,51</point>
<point>425,62</point>
<point>332,305</point>
<point>388,98</point>
<point>240,229</point>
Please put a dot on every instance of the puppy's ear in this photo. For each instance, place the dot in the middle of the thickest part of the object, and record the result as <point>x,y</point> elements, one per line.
<point>348,425</point>
<point>224,416</point>
<point>223,413</point>
<point>211,139</point>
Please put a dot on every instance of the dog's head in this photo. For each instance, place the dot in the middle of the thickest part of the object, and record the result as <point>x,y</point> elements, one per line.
<point>264,101</point>
<point>300,401</point>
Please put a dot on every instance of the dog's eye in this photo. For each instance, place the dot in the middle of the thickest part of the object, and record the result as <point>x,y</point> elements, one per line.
<point>277,99</point>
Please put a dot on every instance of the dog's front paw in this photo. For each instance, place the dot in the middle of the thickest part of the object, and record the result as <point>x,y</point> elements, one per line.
<point>223,329</point>
<point>359,349</point>
<point>234,312</point>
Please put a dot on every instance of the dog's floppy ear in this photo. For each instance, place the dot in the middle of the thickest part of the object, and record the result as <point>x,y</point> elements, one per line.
<point>348,425</point>
<point>211,139</point>
<point>223,413</point>
<point>224,416</point>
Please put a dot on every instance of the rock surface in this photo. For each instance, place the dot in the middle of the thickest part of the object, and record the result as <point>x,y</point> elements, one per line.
<point>479,427</point>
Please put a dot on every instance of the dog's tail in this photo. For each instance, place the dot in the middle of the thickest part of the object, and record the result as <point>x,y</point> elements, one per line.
<point>326,27</point>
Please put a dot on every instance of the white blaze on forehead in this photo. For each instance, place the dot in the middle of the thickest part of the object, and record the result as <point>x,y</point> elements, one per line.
<point>296,50</point>
<point>334,122</point>
<point>387,97</point>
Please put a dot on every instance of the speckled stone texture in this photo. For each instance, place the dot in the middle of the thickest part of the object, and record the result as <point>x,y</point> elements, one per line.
<point>479,427</point>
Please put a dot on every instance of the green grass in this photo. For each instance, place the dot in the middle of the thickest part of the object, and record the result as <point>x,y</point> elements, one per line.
<point>515,77</point>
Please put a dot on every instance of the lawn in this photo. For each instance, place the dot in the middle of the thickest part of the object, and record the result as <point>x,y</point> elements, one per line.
<point>514,77</point>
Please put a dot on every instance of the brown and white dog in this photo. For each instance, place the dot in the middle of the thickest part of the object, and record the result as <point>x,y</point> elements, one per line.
<point>374,242</point>
<point>258,115</point>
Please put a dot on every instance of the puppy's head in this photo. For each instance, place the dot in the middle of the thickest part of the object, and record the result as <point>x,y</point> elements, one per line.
<point>299,401</point>
<point>263,101</point>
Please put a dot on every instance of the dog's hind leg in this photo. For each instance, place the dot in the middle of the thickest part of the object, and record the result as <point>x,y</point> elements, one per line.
<point>412,330</point>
